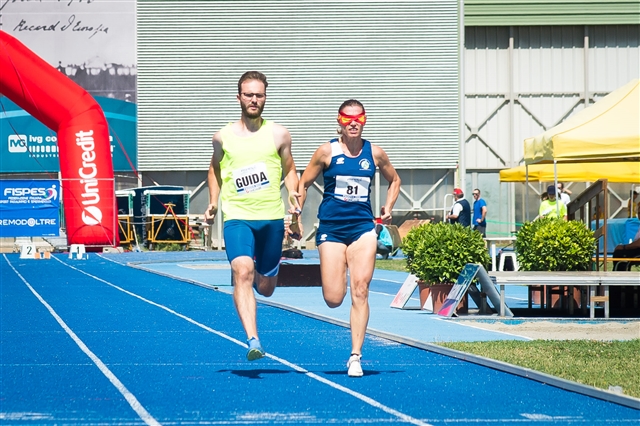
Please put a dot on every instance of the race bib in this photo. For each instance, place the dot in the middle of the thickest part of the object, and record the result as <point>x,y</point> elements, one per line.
<point>251,178</point>
<point>352,188</point>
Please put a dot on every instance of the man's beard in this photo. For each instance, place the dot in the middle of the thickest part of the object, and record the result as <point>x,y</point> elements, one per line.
<point>248,114</point>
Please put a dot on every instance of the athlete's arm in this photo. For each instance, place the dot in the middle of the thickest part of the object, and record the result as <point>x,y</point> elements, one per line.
<point>319,161</point>
<point>214,178</point>
<point>282,139</point>
<point>391,175</point>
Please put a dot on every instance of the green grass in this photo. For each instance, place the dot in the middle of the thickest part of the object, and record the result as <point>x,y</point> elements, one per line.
<point>590,362</point>
<point>392,265</point>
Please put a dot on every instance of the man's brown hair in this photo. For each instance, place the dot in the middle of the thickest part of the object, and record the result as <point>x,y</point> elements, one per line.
<point>252,75</point>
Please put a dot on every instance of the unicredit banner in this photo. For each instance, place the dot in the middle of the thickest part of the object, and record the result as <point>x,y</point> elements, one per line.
<point>82,133</point>
<point>29,208</point>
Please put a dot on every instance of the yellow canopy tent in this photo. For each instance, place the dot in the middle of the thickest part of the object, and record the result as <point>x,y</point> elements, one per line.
<point>607,130</point>
<point>620,171</point>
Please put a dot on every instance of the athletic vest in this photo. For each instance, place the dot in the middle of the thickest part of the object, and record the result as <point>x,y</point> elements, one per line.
<point>347,185</point>
<point>251,171</point>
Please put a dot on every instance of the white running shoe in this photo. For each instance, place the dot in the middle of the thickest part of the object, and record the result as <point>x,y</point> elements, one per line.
<point>355,369</point>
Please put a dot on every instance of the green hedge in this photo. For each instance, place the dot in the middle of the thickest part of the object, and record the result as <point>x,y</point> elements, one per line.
<point>437,253</point>
<point>552,244</point>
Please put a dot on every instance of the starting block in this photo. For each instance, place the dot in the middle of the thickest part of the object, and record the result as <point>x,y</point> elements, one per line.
<point>77,251</point>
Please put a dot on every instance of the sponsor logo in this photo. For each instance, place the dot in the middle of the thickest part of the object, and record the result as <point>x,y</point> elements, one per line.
<point>39,146</point>
<point>47,194</point>
<point>17,143</point>
<point>31,222</point>
<point>52,193</point>
<point>323,237</point>
<point>21,192</point>
<point>91,214</point>
<point>340,160</point>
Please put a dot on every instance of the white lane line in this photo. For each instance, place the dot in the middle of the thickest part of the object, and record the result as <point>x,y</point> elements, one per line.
<point>364,398</point>
<point>131,399</point>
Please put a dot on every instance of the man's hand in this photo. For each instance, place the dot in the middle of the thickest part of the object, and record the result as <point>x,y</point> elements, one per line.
<point>210,213</point>
<point>295,227</point>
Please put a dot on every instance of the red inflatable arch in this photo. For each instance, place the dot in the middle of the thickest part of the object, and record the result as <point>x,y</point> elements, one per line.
<point>88,191</point>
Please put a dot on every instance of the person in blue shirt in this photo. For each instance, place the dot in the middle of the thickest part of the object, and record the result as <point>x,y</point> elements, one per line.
<point>479,213</point>
<point>385,242</point>
<point>346,236</point>
<point>626,251</point>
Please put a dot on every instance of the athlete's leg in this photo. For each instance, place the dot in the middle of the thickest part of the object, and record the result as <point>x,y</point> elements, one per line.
<point>333,270</point>
<point>240,247</point>
<point>243,272</point>
<point>361,257</point>
<point>269,236</point>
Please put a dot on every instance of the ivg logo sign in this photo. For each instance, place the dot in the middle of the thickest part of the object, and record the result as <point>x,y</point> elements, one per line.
<point>17,143</point>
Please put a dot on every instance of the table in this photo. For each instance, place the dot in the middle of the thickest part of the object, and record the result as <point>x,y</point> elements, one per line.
<point>591,279</point>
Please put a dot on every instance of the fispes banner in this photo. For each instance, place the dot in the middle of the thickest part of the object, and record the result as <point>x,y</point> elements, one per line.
<point>29,208</point>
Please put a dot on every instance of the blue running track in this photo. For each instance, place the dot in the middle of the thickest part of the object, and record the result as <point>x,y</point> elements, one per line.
<point>96,342</point>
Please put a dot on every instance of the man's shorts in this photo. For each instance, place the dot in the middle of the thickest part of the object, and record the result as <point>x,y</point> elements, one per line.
<point>260,240</point>
<point>344,232</point>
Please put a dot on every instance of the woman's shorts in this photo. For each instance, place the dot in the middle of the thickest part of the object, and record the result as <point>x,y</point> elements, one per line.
<point>260,240</point>
<point>343,232</point>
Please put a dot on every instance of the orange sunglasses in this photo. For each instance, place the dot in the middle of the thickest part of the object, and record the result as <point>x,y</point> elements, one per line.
<point>344,119</point>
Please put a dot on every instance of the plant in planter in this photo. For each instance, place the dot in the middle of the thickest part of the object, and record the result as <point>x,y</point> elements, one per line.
<point>437,253</point>
<point>552,244</point>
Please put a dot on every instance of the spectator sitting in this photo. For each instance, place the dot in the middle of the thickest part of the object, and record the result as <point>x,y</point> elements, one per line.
<point>385,243</point>
<point>628,250</point>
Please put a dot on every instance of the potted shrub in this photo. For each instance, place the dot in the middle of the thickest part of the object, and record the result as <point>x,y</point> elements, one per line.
<point>552,244</point>
<point>437,253</point>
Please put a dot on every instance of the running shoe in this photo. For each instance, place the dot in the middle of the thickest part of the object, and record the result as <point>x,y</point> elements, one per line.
<point>355,369</point>
<point>255,349</point>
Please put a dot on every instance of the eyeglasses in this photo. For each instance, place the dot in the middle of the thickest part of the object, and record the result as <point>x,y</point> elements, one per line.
<point>249,96</point>
<point>476,193</point>
<point>344,119</point>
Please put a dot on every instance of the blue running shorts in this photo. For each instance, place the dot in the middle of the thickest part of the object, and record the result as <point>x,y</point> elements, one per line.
<point>343,232</point>
<point>261,240</point>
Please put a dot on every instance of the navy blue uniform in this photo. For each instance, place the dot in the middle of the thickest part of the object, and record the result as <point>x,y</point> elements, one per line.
<point>345,212</point>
